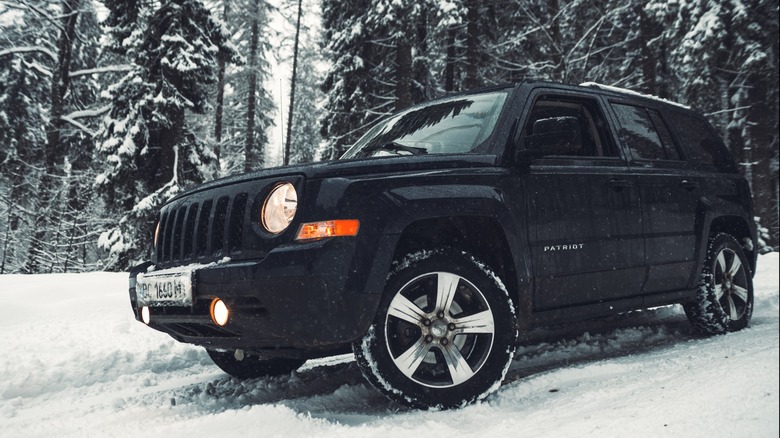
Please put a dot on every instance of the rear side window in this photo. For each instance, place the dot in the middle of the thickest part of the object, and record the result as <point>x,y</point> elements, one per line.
<point>701,142</point>
<point>666,137</point>
<point>640,134</point>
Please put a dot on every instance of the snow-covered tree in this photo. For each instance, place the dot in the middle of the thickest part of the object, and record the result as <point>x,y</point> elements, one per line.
<point>50,97</point>
<point>726,64</point>
<point>305,138</point>
<point>149,151</point>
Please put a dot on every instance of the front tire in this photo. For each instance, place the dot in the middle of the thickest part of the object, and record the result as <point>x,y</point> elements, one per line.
<point>444,335</point>
<point>724,300</point>
<point>246,366</point>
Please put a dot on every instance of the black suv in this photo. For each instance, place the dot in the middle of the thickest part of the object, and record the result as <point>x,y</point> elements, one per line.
<point>451,228</point>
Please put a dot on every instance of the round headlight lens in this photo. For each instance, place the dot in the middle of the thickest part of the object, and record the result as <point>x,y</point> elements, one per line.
<point>279,208</point>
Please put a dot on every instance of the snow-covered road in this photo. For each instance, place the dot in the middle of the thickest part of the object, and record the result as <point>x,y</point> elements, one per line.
<point>76,364</point>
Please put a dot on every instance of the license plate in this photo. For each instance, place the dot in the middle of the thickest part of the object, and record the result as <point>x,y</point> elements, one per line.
<point>164,288</point>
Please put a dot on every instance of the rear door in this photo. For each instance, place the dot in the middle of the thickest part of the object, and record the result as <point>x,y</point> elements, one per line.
<point>669,191</point>
<point>583,213</point>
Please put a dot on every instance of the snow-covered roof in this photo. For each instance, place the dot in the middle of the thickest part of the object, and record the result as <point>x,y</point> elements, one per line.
<point>631,92</point>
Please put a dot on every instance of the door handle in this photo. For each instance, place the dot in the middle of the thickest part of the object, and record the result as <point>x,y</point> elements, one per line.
<point>619,184</point>
<point>689,185</point>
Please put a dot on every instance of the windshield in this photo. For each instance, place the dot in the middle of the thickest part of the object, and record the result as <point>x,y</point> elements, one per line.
<point>456,125</point>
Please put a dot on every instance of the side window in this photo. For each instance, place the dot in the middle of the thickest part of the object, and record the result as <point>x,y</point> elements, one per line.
<point>701,142</point>
<point>640,134</point>
<point>666,137</point>
<point>577,122</point>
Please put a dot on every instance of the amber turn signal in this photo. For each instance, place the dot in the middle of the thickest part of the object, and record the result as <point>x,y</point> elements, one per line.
<point>334,228</point>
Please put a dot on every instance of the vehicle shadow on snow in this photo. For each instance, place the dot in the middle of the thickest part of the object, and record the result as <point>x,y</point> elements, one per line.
<point>328,389</point>
<point>339,393</point>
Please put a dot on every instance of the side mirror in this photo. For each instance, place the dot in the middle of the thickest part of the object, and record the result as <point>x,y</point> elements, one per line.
<point>553,136</point>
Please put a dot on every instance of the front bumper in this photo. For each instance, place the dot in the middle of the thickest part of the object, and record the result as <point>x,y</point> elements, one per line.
<point>295,298</point>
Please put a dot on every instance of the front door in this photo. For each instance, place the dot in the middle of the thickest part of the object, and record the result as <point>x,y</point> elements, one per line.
<point>583,212</point>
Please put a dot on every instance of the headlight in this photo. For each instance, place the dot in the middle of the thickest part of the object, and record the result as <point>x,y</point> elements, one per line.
<point>279,208</point>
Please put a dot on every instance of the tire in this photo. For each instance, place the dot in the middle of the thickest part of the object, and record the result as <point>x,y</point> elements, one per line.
<point>724,299</point>
<point>251,366</point>
<point>444,335</point>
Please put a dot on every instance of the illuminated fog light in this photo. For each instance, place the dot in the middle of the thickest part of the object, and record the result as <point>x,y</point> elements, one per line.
<point>219,312</point>
<point>146,315</point>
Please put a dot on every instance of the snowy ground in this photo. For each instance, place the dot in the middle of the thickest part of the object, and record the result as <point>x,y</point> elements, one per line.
<point>75,363</point>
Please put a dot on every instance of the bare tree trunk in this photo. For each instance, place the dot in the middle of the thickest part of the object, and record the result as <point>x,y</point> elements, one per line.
<point>6,240</point>
<point>222,62</point>
<point>403,74</point>
<point>292,87</point>
<point>557,40</point>
<point>449,71</point>
<point>647,61</point>
<point>249,145</point>
<point>472,43</point>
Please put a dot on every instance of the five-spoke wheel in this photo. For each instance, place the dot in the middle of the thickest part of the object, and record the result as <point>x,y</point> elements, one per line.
<point>724,301</point>
<point>444,335</point>
<point>730,283</point>
<point>439,321</point>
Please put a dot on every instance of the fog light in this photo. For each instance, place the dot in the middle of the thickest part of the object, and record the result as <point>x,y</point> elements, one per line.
<point>219,312</point>
<point>146,315</point>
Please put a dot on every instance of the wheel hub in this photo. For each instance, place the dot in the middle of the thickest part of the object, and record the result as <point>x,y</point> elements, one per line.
<point>439,328</point>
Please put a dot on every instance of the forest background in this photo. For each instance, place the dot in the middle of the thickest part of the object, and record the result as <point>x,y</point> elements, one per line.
<point>108,108</point>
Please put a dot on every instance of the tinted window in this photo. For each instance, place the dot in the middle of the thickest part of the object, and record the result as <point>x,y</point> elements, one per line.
<point>701,142</point>
<point>639,134</point>
<point>592,139</point>
<point>666,137</point>
<point>456,125</point>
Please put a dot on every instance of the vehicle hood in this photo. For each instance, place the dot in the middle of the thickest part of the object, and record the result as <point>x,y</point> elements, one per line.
<point>344,168</point>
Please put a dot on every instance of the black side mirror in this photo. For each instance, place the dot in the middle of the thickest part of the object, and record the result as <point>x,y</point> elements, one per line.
<point>553,136</point>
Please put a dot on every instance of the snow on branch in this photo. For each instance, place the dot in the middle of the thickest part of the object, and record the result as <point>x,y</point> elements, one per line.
<point>107,69</point>
<point>79,125</point>
<point>729,110</point>
<point>88,113</point>
<point>29,49</point>
<point>39,68</point>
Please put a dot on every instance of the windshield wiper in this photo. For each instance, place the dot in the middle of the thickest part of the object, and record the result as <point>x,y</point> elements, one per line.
<point>395,147</point>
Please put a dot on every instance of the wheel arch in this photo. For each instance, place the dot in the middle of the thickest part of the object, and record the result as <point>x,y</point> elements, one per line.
<point>481,236</point>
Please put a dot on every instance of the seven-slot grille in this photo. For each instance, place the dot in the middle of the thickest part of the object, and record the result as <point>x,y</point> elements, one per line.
<point>206,229</point>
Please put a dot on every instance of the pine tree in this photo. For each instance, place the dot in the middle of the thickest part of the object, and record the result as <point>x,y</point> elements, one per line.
<point>349,84</point>
<point>150,153</point>
<point>238,24</point>
<point>726,64</point>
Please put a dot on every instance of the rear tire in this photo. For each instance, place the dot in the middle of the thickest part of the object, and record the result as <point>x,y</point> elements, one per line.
<point>724,300</point>
<point>251,366</point>
<point>444,335</point>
